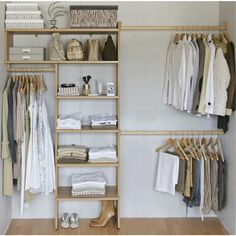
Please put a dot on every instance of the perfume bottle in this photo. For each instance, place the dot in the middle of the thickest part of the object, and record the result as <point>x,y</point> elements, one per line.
<point>86,86</point>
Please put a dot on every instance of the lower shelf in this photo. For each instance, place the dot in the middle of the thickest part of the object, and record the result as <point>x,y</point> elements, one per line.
<point>64,194</point>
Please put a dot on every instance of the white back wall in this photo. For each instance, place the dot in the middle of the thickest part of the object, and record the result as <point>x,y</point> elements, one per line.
<point>142,66</point>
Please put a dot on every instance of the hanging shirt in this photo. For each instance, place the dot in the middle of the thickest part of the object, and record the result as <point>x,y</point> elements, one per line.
<point>175,75</point>
<point>167,173</point>
<point>209,99</point>
<point>189,54</point>
<point>198,89</point>
<point>221,82</point>
<point>195,75</point>
<point>201,108</point>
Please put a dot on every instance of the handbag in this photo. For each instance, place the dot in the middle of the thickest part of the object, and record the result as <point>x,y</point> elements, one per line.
<point>93,49</point>
<point>75,51</point>
<point>56,49</point>
<point>109,50</point>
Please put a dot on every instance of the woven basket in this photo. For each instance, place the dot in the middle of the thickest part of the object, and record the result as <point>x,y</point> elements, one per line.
<point>93,16</point>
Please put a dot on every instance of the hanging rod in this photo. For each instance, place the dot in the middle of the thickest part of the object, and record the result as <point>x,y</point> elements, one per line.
<point>31,69</point>
<point>222,27</point>
<point>173,132</point>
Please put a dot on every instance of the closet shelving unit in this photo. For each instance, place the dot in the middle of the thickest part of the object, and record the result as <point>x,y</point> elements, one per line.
<point>62,193</point>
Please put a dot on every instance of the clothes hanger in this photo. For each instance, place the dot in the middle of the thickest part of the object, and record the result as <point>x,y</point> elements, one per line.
<point>227,36</point>
<point>166,144</point>
<point>191,145</point>
<point>223,39</point>
<point>202,149</point>
<point>186,147</point>
<point>181,149</point>
<point>177,38</point>
<point>217,142</point>
<point>204,142</point>
<point>214,150</point>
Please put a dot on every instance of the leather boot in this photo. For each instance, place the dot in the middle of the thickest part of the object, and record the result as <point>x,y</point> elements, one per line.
<point>108,211</point>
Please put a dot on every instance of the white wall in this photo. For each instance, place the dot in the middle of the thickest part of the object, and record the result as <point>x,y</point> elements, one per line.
<point>143,56</point>
<point>5,202</point>
<point>227,216</point>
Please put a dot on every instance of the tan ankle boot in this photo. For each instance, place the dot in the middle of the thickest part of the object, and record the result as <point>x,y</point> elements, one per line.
<point>108,211</point>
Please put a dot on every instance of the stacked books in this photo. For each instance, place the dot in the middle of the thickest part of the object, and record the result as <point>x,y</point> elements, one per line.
<point>23,16</point>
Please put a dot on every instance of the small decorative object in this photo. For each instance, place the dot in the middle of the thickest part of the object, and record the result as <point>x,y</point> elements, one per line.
<point>75,51</point>
<point>93,49</point>
<point>93,16</point>
<point>110,89</point>
<point>99,84</point>
<point>86,86</point>
<point>56,48</point>
<point>55,11</point>
<point>109,50</point>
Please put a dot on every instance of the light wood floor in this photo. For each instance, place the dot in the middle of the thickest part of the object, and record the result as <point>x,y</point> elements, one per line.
<point>128,226</point>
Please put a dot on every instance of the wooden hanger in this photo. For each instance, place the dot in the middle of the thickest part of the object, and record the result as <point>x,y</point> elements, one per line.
<point>191,145</point>
<point>211,144</point>
<point>204,142</point>
<point>217,142</point>
<point>203,150</point>
<point>227,36</point>
<point>177,38</point>
<point>184,155</point>
<point>196,147</point>
<point>223,39</point>
<point>185,145</point>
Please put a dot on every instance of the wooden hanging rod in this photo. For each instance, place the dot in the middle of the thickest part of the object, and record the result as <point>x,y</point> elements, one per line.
<point>173,132</point>
<point>31,69</point>
<point>224,26</point>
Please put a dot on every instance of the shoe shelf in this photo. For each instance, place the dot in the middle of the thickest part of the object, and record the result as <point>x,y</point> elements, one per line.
<point>64,194</point>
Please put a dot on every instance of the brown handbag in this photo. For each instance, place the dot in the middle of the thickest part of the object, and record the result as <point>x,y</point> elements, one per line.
<point>109,50</point>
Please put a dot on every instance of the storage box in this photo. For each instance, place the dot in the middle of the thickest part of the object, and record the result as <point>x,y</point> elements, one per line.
<point>93,16</point>
<point>26,54</point>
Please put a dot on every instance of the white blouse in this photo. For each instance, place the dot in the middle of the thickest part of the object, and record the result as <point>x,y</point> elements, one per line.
<point>221,83</point>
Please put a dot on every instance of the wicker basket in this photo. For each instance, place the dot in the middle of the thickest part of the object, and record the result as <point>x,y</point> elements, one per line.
<point>93,16</point>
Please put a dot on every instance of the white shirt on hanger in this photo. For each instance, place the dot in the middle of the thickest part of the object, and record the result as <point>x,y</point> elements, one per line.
<point>189,51</point>
<point>209,98</point>
<point>167,173</point>
<point>221,83</point>
<point>195,74</point>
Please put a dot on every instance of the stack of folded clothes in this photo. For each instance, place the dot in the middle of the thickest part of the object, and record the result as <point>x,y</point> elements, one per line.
<point>72,153</point>
<point>88,184</point>
<point>102,120</point>
<point>103,154</point>
<point>23,15</point>
<point>72,121</point>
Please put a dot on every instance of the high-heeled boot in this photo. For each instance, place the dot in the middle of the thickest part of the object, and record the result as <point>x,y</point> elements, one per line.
<point>108,212</point>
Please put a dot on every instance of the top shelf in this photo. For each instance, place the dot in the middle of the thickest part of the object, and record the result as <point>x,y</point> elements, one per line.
<point>64,31</point>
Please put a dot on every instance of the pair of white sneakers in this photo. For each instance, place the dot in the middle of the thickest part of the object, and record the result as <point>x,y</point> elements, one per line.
<point>70,220</point>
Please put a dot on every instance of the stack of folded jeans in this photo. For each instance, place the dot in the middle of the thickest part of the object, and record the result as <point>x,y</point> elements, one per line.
<point>88,184</point>
<point>72,152</point>
<point>103,154</point>
<point>72,121</point>
<point>102,120</point>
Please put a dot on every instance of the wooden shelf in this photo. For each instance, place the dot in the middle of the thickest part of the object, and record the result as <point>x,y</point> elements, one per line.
<point>74,163</point>
<point>64,194</point>
<point>62,62</point>
<point>88,129</point>
<point>64,31</point>
<point>85,97</point>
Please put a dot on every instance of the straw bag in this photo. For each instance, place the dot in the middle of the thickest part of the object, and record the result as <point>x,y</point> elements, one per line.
<point>93,49</point>
<point>56,48</point>
<point>75,51</point>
